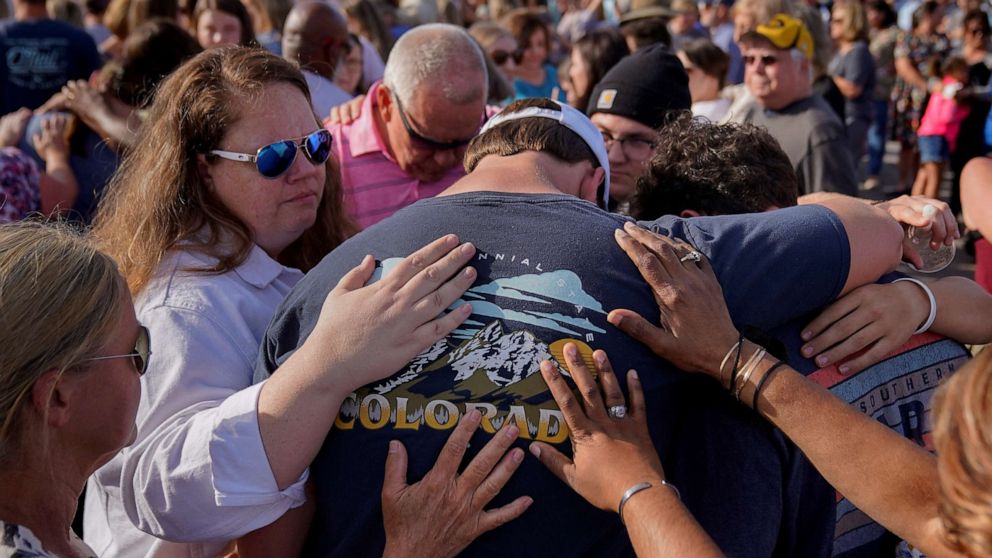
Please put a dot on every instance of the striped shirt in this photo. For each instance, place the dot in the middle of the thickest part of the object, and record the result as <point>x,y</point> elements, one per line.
<point>374,185</point>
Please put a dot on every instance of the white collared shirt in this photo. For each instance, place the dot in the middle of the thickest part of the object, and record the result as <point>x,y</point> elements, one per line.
<point>198,471</point>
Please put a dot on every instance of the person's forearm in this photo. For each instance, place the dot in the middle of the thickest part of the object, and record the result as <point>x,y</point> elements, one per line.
<point>891,479</point>
<point>963,308</point>
<point>297,407</point>
<point>118,131</point>
<point>847,87</point>
<point>660,526</point>
<point>909,74</point>
<point>58,186</point>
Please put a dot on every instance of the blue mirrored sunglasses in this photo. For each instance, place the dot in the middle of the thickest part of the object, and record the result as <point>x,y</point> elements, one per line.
<point>276,158</point>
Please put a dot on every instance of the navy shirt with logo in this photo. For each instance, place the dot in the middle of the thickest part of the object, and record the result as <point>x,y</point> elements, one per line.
<point>39,57</point>
<point>549,272</point>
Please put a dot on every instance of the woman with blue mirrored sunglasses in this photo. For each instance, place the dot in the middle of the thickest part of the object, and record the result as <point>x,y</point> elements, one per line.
<point>276,158</point>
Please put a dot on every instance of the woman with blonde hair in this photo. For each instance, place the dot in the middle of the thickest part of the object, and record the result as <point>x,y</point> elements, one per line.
<point>227,198</point>
<point>853,71</point>
<point>69,381</point>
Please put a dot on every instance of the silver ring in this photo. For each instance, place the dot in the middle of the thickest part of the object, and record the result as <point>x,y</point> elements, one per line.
<point>617,411</point>
<point>693,256</point>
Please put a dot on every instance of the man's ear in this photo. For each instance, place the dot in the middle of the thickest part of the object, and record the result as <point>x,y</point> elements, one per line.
<point>686,213</point>
<point>50,398</point>
<point>589,187</point>
<point>384,103</point>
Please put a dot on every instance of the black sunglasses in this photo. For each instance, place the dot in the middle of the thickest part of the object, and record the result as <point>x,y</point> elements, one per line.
<point>142,350</point>
<point>500,56</point>
<point>767,60</point>
<point>428,143</point>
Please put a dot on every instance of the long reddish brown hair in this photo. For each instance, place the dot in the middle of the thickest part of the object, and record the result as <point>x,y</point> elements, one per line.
<point>158,199</point>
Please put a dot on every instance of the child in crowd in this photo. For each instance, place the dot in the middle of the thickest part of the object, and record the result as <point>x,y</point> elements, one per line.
<point>939,127</point>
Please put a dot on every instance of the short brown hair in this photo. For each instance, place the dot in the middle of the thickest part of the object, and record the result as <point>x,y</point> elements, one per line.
<point>529,134</point>
<point>158,199</point>
<point>715,169</point>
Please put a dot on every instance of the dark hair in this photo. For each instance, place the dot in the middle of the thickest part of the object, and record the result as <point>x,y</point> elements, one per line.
<point>158,199</point>
<point>953,64</point>
<point>523,23</point>
<point>601,50</point>
<point>980,17</point>
<point>371,25</point>
<point>647,32</point>
<point>96,7</point>
<point>150,53</point>
<point>926,9</point>
<point>708,57</point>
<point>230,7</point>
<point>529,134</point>
<point>888,13</point>
<point>715,169</point>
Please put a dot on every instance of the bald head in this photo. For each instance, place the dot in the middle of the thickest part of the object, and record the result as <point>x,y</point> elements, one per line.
<point>315,36</point>
<point>437,60</point>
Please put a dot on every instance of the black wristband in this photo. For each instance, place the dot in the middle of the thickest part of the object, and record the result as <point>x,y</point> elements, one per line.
<point>761,383</point>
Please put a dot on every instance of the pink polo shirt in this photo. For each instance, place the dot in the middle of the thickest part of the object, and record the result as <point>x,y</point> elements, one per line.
<point>375,186</point>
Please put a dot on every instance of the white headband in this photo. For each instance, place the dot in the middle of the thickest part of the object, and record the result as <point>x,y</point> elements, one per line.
<point>572,119</point>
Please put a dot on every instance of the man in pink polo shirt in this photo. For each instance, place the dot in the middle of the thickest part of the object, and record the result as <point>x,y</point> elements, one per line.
<point>414,126</point>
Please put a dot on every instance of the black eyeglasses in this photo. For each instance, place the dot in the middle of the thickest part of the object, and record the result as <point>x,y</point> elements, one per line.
<point>429,144</point>
<point>276,158</point>
<point>633,147</point>
<point>767,60</point>
<point>500,56</point>
<point>142,350</point>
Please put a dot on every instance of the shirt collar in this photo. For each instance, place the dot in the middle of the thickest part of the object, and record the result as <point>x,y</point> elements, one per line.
<point>364,137</point>
<point>259,269</point>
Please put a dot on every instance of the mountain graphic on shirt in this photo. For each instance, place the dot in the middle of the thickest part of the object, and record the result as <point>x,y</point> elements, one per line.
<point>494,366</point>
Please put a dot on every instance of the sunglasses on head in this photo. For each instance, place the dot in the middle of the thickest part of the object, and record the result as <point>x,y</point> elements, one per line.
<point>500,56</point>
<point>767,60</point>
<point>276,158</point>
<point>428,143</point>
<point>142,350</point>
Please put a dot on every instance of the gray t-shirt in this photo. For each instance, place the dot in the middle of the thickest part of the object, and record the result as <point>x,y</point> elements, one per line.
<point>857,65</point>
<point>815,141</point>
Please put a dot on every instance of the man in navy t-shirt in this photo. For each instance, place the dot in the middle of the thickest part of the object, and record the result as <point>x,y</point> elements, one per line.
<point>39,55</point>
<point>548,273</point>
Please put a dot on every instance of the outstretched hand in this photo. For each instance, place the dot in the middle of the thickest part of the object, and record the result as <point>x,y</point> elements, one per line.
<point>609,454</point>
<point>455,502</point>
<point>374,330</point>
<point>695,330</point>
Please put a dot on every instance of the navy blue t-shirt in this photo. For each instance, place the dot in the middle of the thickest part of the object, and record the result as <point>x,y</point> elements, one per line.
<point>38,57</point>
<point>549,272</point>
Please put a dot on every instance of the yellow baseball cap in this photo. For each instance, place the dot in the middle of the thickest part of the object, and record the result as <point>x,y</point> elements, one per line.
<point>787,32</point>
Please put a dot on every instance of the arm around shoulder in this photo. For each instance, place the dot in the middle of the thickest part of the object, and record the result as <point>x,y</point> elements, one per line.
<point>875,238</point>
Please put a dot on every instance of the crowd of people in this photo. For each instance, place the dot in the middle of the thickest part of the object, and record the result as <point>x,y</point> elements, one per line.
<point>326,278</point>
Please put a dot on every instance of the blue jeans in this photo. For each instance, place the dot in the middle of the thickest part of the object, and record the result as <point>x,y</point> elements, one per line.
<point>877,134</point>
